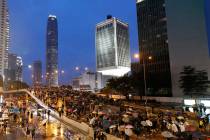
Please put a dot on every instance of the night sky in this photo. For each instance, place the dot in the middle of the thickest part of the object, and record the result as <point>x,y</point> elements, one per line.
<point>76,27</point>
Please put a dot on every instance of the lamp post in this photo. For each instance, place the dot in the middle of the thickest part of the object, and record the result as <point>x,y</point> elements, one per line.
<point>137,56</point>
<point>80,71</point>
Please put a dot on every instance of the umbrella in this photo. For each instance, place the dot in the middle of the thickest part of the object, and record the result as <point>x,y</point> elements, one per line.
<point>167,134</point>
<point>148,122</point>
<point>201,104</point>
<point>128,132</point>
<point>92,120</point>
<point>112,126</point>
<point>143,123</point>
<point>101,113</point>
<point>125,115</point>
<point>203,116</point>
<point>130,109</point>
<point>94,112</point>
<point>180,117</point>
<point>128,126</point>
<point>125,120</point>
<point>128,112</point>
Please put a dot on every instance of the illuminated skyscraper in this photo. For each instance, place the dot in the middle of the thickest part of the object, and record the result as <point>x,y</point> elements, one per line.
<point>52,52</point>
<point>112,47</point>
<point>4,36</point>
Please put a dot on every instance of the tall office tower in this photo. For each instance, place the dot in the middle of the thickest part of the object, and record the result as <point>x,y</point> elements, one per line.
<point>112,47</point>
<point>37,73</point>
<point>4,36</point>
<point>10,73</point>
<point>19,71</point>
<point>52,52</point>
<point>172,34</point>
<point>14,71</point>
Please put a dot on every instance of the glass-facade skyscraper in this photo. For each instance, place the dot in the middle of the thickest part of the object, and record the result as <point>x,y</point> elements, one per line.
<point>172,34</point>
<point>52,52</point>
<point>4,37</point>
<point>153,41</point>
<point>112,47</point>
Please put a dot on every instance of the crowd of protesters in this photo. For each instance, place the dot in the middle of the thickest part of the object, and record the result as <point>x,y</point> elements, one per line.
<point>108,116</point>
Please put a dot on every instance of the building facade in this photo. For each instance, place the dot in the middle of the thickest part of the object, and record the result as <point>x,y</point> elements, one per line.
<point>19,72</point>
<point>14,71</point>
<point>172,34</point>
<point>112,47</point>
<point>4,37</point>
<point>52,52</point>
<point>37,73</point>
<point>90,81</point>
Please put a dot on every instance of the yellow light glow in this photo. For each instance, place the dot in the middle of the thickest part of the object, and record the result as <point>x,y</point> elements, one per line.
<point>150,57</point>
<point>136,56</point>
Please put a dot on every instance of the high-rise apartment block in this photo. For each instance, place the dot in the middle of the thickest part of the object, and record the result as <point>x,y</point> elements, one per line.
<point>4,37</point>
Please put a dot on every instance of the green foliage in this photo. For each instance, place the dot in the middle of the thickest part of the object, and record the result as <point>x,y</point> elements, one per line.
<point>127,84</point>
<point>193,82</point>
<point>121,85</point>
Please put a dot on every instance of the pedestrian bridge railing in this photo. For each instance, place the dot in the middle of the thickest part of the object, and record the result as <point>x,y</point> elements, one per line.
<point>81,127</point>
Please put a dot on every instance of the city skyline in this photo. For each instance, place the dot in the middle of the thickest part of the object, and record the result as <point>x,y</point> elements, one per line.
<point>28,27</point>
<point>104,69</point>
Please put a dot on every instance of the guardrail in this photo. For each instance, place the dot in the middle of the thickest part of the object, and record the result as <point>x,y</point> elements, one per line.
<point>81,127</point>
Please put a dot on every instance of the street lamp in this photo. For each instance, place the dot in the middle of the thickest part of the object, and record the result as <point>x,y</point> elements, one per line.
<point>62,72</point>
<point>77,68</point>
<point>86,68</point>
<point>30,66</point>
<point>137,56</point>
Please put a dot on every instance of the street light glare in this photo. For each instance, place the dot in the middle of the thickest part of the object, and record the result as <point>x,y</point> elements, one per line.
<point>136,56</point>
<point>62,72</point>
<point>29,66</point>
<point>150,57</point>
<point>76,68</point>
